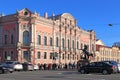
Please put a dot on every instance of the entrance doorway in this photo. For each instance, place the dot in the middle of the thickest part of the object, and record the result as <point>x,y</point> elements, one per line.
<point>26,56</point>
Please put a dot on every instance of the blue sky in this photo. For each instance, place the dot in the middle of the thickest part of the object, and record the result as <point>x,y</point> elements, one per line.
<point>90,14</point>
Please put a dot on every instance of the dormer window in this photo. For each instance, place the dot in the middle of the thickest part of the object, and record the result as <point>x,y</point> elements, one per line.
<point>25,13</point>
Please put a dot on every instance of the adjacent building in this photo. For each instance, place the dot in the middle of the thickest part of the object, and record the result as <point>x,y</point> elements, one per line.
<point>28,37</point>
<point>106,53</point>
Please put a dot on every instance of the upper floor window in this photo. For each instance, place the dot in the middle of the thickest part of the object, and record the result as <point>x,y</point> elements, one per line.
<point>56,41</point>
<point>12,39</point>
<point>63,56</point>
<point>38,55</point>
<point>39,40</point>
<point>63,42</point>
<point>45,55</point>
<point>51,41</point>
<point>45,40</point>
<point>73,44</point>
<point>26,37</point>
<point>5,39</point>
<point>77,45</point>
<point>68,43</point>
<point>93,47</point>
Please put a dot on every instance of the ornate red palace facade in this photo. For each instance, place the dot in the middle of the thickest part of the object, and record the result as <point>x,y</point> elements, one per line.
<point>27,36</point>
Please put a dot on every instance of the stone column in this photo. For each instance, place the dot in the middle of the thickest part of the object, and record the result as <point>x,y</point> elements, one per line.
<point>19,55</point>
<point>19,32</point>
<point>32,56</point>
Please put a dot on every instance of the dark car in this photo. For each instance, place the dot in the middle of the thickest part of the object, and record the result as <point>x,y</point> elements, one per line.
<point>28,66</point>
<point>97,67</point>
<point>114,63</point>
<point>10,69</point>
<point>3,69</point>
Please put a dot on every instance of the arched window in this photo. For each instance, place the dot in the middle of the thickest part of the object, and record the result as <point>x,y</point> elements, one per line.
<point>51,41</point>
<point>39,40</point>
<point>45,40</point>
<point>26,38</point>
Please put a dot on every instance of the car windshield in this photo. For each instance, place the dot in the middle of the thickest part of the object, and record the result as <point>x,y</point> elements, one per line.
<point>3,64</point>
<point>9,62</point>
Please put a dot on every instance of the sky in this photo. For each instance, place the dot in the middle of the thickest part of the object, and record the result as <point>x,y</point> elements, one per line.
<point>90,14</point>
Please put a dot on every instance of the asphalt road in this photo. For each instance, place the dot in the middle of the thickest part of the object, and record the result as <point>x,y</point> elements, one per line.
<point>56,75</point>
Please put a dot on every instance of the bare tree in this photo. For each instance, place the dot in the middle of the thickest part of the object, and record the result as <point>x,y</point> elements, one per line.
<point>116,44</point>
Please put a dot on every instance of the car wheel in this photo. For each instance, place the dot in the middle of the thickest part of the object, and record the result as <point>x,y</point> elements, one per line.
<point>82,71</point>
<point>11,71</point>
<point>104,72</point>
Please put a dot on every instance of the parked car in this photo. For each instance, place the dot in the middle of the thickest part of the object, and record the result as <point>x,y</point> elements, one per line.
<point>115,63</point>
<point>3,69</point>
<point>28,66</point>
<point>10,69</point>
<point>97,67</point>
<point>36,67</point>
<point>17,66</point>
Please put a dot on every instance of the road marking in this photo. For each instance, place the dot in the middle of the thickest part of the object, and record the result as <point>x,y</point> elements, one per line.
<point>91,79</point>
<point>59,73</point>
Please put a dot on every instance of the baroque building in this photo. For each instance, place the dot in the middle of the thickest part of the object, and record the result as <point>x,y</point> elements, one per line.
<point>28,37</point>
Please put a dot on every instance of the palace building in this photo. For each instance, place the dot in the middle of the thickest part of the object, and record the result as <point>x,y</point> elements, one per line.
<point>28,37</point>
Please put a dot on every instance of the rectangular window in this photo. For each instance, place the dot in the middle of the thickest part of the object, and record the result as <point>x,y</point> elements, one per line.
<point>51,55</point>
<point>68,56</point>
<point>93,47</point>
<point>63,56</point>
<point>68,44</point>
<point>77,57</point>
<point>5,39</point>
<point>73,44</point>
<point>12,55</point>
<point>38,55</point>
<point>63,42</point>
<point>12,39</point>
<point>73,57</point>
<point>5,55</point>
<point>56,41</point>
<point>77,45</point>
<point>45,55</point>
<point>51,41</point>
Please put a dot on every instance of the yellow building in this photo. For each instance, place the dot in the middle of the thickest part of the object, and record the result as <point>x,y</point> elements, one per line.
<point>106,53</point>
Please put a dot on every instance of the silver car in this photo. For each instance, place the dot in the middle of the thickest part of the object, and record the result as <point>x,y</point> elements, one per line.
<point>15,65</point>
